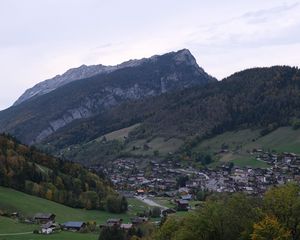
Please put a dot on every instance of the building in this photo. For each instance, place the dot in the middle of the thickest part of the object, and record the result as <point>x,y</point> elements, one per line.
<point>43,218</point>
<point>73,226</point>
<point>182,205</point>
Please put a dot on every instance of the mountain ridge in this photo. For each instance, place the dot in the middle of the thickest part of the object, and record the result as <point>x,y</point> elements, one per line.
<point>84,98</point>
<point>262,98</point>
<point>85,71</point>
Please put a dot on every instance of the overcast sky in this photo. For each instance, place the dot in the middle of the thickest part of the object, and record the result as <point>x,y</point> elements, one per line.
<point>42,38</point>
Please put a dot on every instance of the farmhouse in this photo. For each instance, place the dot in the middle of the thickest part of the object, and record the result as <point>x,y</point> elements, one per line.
<point>139,220</point>
<point>126,226</point>
<point>49,227</point>
<point>73,226</point>
<point>43,218</point>
<point>182,205</point>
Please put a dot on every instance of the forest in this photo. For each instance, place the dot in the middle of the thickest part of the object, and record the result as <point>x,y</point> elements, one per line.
<point>26,169</point>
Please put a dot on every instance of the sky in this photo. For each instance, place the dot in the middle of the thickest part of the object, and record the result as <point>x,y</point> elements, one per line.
<point>40,39</point>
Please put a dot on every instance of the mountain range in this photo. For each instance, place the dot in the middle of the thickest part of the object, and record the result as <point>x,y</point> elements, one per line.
<point>56,103</point>
<point>96,113</point>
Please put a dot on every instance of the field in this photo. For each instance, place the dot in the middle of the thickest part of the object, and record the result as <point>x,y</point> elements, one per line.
<point>119,134</point>
<point>239,143</point>
<point>157,144</point>
<point>9,227</point>
<point>29,205</point>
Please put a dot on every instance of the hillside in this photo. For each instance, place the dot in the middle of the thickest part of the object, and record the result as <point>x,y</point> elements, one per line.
<point>28,170</point>
<point>239,144</point>
<point>28,205</point>
<point>40,116</point>
<point>264,98</point>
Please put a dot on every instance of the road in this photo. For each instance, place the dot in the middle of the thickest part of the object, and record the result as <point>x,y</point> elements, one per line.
<point>150,202</point>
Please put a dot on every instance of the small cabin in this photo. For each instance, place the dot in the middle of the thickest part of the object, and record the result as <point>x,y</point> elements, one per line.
<point>43,218</point>
<point>73,226</point>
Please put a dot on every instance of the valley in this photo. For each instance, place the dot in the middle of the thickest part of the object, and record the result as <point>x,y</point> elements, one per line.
<point>131,148</point>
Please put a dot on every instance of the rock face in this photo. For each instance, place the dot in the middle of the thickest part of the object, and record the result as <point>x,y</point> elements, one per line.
<point>85,71</point>
<point>60,101</point>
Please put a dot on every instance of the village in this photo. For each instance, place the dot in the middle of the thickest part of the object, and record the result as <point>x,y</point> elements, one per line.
<point>168,187</point>
<point>181,185</point>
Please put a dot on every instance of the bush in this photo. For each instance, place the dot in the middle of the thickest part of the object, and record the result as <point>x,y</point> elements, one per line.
<point>296,124</point>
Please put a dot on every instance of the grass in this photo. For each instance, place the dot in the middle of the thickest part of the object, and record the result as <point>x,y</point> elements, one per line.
<point>244,162</point>
<point>10,226</point>
<point>284,139</point>
<point>239,143</point>
<point>29,205</point>
<point>120,134</point>
<point>159,144</point>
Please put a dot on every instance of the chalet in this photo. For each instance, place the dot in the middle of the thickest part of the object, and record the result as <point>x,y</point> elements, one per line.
<point>126,226</point>
<point>114,222</point>
<point>47,231</point>
<point>49,227</point>
<point>182,205</point>
<point>43,218</point>
<point>187,197</point>
<point>138,220</point>
<point>140,192</point>
<point>168,211</point>
<point>73,226</point>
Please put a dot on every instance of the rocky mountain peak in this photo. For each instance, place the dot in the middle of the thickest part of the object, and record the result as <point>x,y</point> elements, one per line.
<point>84,71</point>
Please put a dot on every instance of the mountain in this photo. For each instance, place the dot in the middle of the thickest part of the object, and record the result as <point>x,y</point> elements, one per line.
<point>26,169</point>
<point>264,98</point>
<point>67,100</point>
<point>74,74</point>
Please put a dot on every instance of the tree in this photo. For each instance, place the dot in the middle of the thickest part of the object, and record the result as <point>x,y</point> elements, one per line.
<point>270,229</point>
<point>284,203</point>
<point>116,204</point>
<point>155,212</point>
<point>113,233</point>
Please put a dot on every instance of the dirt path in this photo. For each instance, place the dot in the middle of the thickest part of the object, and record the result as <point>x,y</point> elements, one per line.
<point>15,234</point>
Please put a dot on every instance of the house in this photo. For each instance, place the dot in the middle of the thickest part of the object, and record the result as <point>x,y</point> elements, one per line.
<point>140,192</point>
<point>49,227</point>
<point>182,205</point>
<point>73,226</point>
<point>112,222</point>
<point>138,220</point>
<point>47,231</point>
<point>126,226</point>
<point>187,197</point>
<point>43,218</point>
<point>168,211</point>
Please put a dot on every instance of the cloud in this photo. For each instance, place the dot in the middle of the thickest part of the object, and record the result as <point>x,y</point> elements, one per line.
<point>263,15</point>
<point>272,26</point>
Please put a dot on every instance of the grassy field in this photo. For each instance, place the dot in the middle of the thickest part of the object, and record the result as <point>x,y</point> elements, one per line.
<point>8,227</point>
<point>239,143</point>
<point>157,144</point>
<point>29,205</point>
<point>119,134</point>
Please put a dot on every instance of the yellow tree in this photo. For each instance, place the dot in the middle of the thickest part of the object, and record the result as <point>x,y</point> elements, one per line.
<point>270,229</point>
